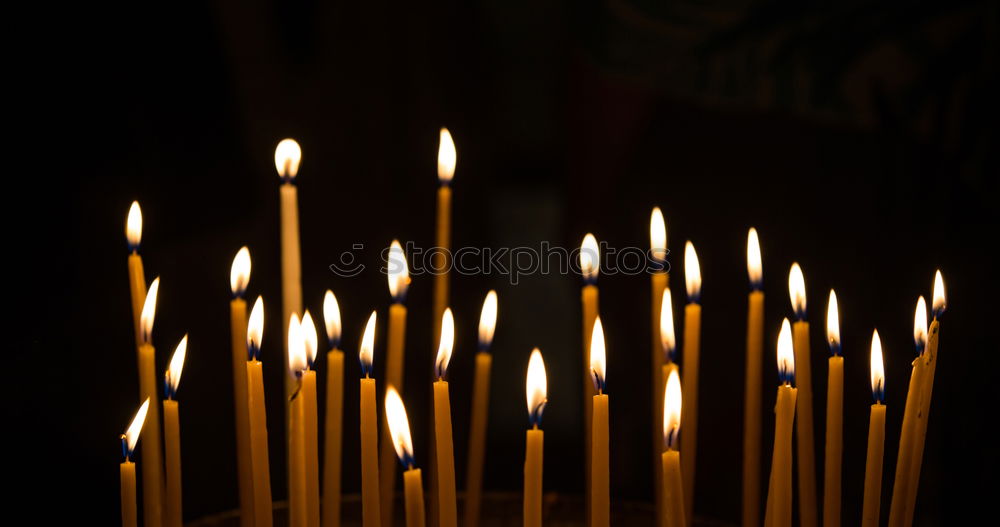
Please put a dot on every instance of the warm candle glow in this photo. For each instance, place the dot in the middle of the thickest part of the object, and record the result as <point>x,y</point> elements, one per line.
<point>590,264</point>
<point>833,324</point>
<point>133,226</point>
<point>658,235</point>
<point>399,426</point>
<point>920,325</point>
<point>398,272</point>
<point>366,353</point>
<point>536,387</point>
<point>447,157</point>
<point>309,338</point>
<point>488,320</point>
<point>331,316</point>
<point>598,356</point>
<point>173,376</point>
<point>287,156</point>
<point>692,273</point>
<point>786,354</point>
<point>878,370</point>
<point>131,435</point>
<point>149,312</point>
<point>239,273</point>
<point>667,338</point>
<point>296,347</point>
<point>671,410</point>
<point>939,303</point>
<point>754,267</point>
<point>446,345</point>
<point>797,290</point>
<point>255,329</point>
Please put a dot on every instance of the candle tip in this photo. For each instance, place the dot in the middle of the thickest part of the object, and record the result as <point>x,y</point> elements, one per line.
<point>797,291</point>
<point>255,329</point>
<point>939,301</point>
<point>239,272</point>
<point>671,410</point>
<point>536,387</point>
<point>658,236</point>
<point>833,324</point>
<point>786,354</point>
<point>446,345</point>
<point>754,267</point>
<point>398,272</point>
<point>447,157</point>
<point>149,312</point>
<point>692,273</point>
<point>598,356</point>
<point>133,226</point>
<point>399,427</point>
<point>366,353</point>
<point>877,369</point>
<point>488,320</point>
<point>668,339</point>
<point>590,264</point>
<point>287,156</point>
<point>331,317</point>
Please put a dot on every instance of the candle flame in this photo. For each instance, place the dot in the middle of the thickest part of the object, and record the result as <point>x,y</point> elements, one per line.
<point>398,271</point>
<point>598,356</point>
<point>536,387</point>
<point>287,156</point>
<point>658,235</point>
<point>671,410</point>
<point>176,367</point>
<point>447,157</point>
<point>239,273</point>
<point>331,316</point>
<point>754,267</point>
<point>446,345</point>
<point>667,338</point>
<point>939,301</point>
<point>878,369</point>
<point>692,273</point>
<point>149,312</point>
<point>786,353</point>
<point>797,290</point>
<point>255,329</point>
<point>296,347</point>
<point>833,324</point>
<point>366,353</point>
<point>309,338</point>
<point>133,226</point>
<point>920,325</point>
<point>590,264</point>
<point>488,320</point>
<point>399,426</point>
<point>132,432</point>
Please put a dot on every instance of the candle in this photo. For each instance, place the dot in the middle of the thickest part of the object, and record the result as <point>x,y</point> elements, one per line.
<point>287,157</point>
<point>333,429</point>
<point>753,389</point>
<point>260,468</point>
<point>907,435</point>
<point>442,425</point>
<point>834,418</point>
<point>589,267</point>
<point>298,508</point>
<point>399,281</point>
<point>480,410</point>
<point>692,345</point>
<point>173,517</point>
<point>600,490</point>
<point>239,277</point>
<point>369,430</point>
<point>876,440</point>
<point>779,496</point>
<point>136,274</point>
<point>152,453</point>
<point>310,419</point>
<point>127,467</point>
<point>447,158</point>
<point>399,431</point>
<point>804,422</point>
<point>536,389</point>
<point>658,281</point>
<point>670,470</point>
<point>668,347</point>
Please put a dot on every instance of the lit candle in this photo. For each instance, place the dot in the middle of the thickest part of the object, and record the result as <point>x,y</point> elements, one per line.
<point>127,467</point>
<point>310,421</point>
<point>480,410</point>
<point>443,441</point>
<point>536,388</point>
<point>239,277</point>
<point>589,267</point>
<point>600,490</point>
<point>804,421</point>
<point>399,281</point>
<point>152,452</point>
<point>136,274</point>
<point>692,349</point>
<point>447,157</point>
<point>876,440</point>
<point>399,431</point>
<point>173,516</point>
<point>298,508</point>
<point>779,495</point>
<point>333,430</point>
<point>287,157</point>
<point>929,359</point>
<point>369,430</point>
<point>670,464</point>
<point>753,388</point>
<point>907,435</point>
<point>834,418</point>
<point>658,279</point>
<point>260,467</point>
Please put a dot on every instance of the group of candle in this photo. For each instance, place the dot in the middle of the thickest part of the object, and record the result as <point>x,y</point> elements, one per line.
<point>674,448</point>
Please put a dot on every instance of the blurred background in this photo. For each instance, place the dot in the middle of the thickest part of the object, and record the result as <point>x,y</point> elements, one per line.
<point>859,138</point>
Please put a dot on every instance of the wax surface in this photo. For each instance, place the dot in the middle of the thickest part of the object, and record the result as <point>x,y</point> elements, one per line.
<point>689,394</point>
<point>477,438</point>
<point>310,428</point>
<point>834,438</point>
<point>395,351</point>
<point>533,452</point>
<point>657,281</point>
<point>441,258</point>
<point>137,290</point>
<point>333,437</point>
<point>929,357</point>
<point>805,443</point>
<point>414,492</point>
<point>291,266</point>
<point>589,299</point>
<point>779,500</point>
<point>127,475</point>
<point>260,465</point>
<point>448,512</point>
<point>673,489</point>
<point>752,409</point>
<point>907,435</point>
<point>244,475</point>
<point>600,490</point>
<point>873,467</point>
<point>152,449</point>
<point>172,444</point>
<point>370,507</point>
<point>297,500</point>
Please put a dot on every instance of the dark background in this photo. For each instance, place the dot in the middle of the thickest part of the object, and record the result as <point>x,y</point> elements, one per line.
<point>859,138</point>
